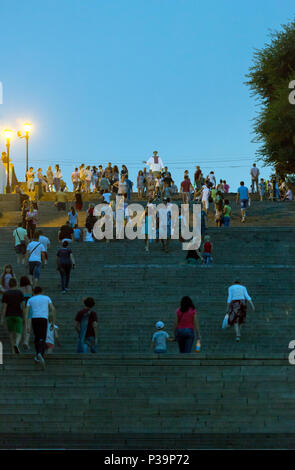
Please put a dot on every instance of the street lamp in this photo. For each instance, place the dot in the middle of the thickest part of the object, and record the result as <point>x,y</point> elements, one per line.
<point>27,128</point>
<point>8,134</point>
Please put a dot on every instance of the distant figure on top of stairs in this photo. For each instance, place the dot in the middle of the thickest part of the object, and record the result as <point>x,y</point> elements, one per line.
<point>57,178</point>
<point>49,177</point>
<point>254,172</point>
<point>155,163</point>
<point>30,175</point>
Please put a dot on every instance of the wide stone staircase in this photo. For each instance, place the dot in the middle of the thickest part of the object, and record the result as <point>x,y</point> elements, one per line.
<point>228,396</point>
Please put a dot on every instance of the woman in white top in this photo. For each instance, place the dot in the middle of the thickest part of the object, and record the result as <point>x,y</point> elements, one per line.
<point>87,235</point>
<point>57,178</point>
<point>237,306</point>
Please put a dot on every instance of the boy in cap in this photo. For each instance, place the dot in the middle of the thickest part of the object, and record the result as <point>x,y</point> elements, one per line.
<point>159,339</point>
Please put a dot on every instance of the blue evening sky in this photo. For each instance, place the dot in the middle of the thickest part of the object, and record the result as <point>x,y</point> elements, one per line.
<point>113,80</point>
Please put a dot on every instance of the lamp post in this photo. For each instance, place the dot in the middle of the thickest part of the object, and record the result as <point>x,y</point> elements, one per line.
<point>8,135</point>
<point>27,128</point>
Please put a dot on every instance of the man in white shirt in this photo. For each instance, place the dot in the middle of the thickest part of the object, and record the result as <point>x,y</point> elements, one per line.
<point>205,191</point>
<point>254,172</point>
<point>40,306</point>
<point>212,178</point>
<point>35,256</point>
<point>155,163</point>
<point>20,240</point>
<point>46,243</point>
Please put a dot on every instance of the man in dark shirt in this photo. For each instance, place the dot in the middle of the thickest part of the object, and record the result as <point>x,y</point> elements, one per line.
<point>66,233</point>
<point>198,174</point>
<point>12,308</point>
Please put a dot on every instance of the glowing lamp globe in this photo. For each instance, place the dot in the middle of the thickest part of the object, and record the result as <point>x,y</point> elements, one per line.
<point>27,127</point>
<point>8,134</point>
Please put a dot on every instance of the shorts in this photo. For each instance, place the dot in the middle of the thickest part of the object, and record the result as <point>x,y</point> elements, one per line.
<point>20,249</point>
<point>49,346</point>
<point>205,203</point>
<point>46,255</point>
<point>244,203</point>
<point>35,269</point>
<point>15,324</point>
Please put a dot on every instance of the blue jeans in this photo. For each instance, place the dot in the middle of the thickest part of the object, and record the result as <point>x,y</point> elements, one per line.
<point>207,258</point>
<point>185,338</point>
<point>226,220</point>
<point>83,347</point>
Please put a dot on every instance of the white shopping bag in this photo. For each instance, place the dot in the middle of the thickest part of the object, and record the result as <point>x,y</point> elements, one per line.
<point>225,322</point>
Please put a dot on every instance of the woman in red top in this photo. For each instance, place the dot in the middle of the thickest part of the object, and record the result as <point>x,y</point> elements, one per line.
<point>186,323</point>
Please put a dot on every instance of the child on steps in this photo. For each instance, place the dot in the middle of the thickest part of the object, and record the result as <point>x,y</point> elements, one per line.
<point>159,339</point>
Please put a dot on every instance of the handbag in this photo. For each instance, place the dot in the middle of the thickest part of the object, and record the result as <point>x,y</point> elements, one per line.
<point>225,322</point>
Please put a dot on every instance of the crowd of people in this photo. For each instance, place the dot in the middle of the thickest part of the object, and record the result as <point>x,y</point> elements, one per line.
<point>157,181</point>
<point>28,310</point>
<point>154,184</point>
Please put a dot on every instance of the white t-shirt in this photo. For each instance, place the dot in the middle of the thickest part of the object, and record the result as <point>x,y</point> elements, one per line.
<point>38,249</point>
<point>45,242</point>
<point>88,175</point>
<point>75,176</point>
<point>58,174</point>
<point>205,193</point>
<point>19,235</point>
<point>155,166</point>
<point>39,306</point>
<point>50,333</point>
<point>237,292</point>
<point>212,178</point>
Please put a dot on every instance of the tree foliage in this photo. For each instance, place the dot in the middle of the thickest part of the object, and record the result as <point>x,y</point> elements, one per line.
<point>269,77</point>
